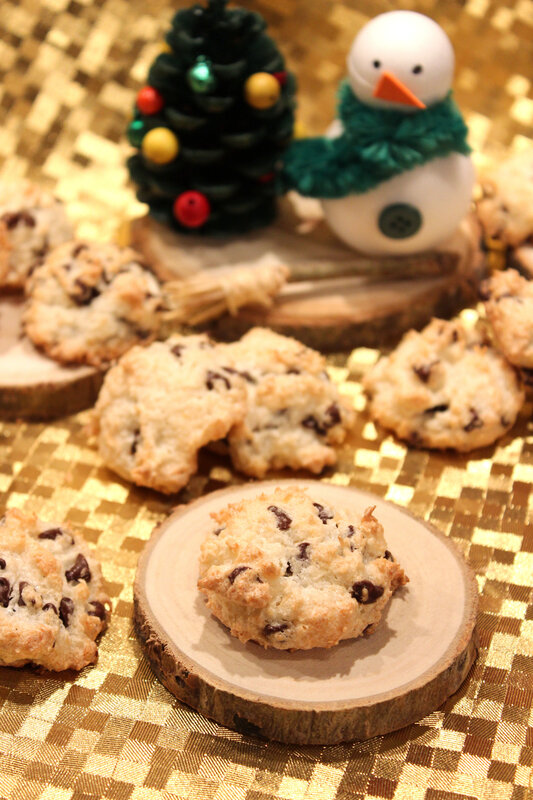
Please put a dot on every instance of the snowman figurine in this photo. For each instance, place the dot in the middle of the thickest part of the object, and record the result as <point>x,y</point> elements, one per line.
<point>394,172</point>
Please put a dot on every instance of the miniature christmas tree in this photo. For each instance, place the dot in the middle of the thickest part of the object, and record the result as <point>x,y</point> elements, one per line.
<point>212,122</point>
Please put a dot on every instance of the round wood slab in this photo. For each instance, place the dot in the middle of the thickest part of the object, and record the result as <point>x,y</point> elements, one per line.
<point>337,299</point>
<point>33,386</point>
<point>419,655</point>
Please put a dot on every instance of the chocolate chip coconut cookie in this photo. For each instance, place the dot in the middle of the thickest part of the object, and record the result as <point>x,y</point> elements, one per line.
<point>52,601</point>
<point>445,387</point>
<point>160,404</point>
<point>90,302</point>
<point>32,222</point>
<point>287,571</point>
<point>295,414</point>
<point>506,208</point>
<point>509,309</point>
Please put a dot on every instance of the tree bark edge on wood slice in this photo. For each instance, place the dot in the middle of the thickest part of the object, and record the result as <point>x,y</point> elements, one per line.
<point>32,386</point>
<point>296,722</point>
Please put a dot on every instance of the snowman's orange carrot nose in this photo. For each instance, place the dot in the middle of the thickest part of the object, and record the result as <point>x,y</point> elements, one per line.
<point>389,87</point>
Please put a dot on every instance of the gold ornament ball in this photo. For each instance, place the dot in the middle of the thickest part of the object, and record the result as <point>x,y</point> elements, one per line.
<point>160,145</point>
<point>262,90</point>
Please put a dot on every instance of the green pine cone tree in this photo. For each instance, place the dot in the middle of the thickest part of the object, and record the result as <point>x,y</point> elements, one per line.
<point>223,113</point>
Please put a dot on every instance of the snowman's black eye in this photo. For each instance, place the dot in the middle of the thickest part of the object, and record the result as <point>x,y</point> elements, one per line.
<point>417,70</point>
<point>376,64</point>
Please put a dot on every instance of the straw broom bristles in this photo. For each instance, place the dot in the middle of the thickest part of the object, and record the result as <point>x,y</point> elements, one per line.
<point>218,290</point>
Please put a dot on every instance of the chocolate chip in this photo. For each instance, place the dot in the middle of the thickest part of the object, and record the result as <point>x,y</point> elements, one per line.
<point>474,422</point>
<point>177,350</point>
<point>85,294</point>
<point>12,219</point>
<point>275,627</point>
<point>212,377</point>
<point>351,531</point>
<point>423,372</point>
<point>66,609</point>
<point>218,531</point>
<point>79,248</point>
<point>504,421</point>
<point>243,373</point>
<point>283,521</point>
<point>52,533</point>
<point>50,605</point>
<point>21,602</point>
<point>527,375</point>
<point>288,570</point>
<point>322,513</point>
<point>135,441</point>
<point>366,592</point>
<point>235,573</point>
<point>293,371</point>
<point>388,555</point>
<point>5,589</point>
<point>333,416</point>
<point>98,610</point>
<point>313,424</point>
<point>302,550</point>
<point>79,571</point>
<point>415,439</point>
<point>455,335</point>
<point>2,563</point>
<point>437,409</point>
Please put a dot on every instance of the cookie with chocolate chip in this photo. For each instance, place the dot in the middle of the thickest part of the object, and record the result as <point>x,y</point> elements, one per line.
<point>295,413</point>
<point>445,387</point>
<point>160,404</point>
<point>288,571</point>
<point>52,601</point>
<point>506,206</point>
<point>32,222</point>
<point>509,308</point>
<point>90,302</point>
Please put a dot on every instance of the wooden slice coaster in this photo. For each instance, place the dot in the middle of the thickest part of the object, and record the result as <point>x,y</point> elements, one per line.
<point>419,655</point>
<point>33,386</point>
<point>337,299</point>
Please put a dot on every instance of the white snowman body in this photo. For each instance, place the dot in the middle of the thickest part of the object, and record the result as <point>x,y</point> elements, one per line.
<point>403,61</point>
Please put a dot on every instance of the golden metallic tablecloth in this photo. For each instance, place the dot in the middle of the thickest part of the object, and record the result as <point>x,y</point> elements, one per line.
<point>69,74</point>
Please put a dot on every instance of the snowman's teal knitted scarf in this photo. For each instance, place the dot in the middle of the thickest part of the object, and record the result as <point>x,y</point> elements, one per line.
<point>376,145</point>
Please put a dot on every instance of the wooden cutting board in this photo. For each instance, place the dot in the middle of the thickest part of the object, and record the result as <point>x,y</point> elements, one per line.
<point>33,386</point>
<point>419,655</point>
<point>337,299</point>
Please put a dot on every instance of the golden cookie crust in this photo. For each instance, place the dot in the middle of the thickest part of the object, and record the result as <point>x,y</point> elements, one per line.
<point>295,413</point>
<point>160,404</point>
<point>509,309</point>
<point>445,387</point>
<point>90,302</point>
<point>32,222</point>
<point>287,571</point>
<point>506,207</point>
<point>52,601</point>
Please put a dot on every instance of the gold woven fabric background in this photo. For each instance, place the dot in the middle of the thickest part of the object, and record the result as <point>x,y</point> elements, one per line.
<point>69,72</point>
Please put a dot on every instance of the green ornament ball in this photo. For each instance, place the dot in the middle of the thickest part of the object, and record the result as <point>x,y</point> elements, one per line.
<point>136,131</point>
<point>200,76</point>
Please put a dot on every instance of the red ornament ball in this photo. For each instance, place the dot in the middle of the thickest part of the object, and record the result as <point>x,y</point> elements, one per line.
<point>192,209</point>
<point>149,100</point>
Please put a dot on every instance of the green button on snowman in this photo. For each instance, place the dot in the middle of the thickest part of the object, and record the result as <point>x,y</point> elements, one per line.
<point>394,172</point>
